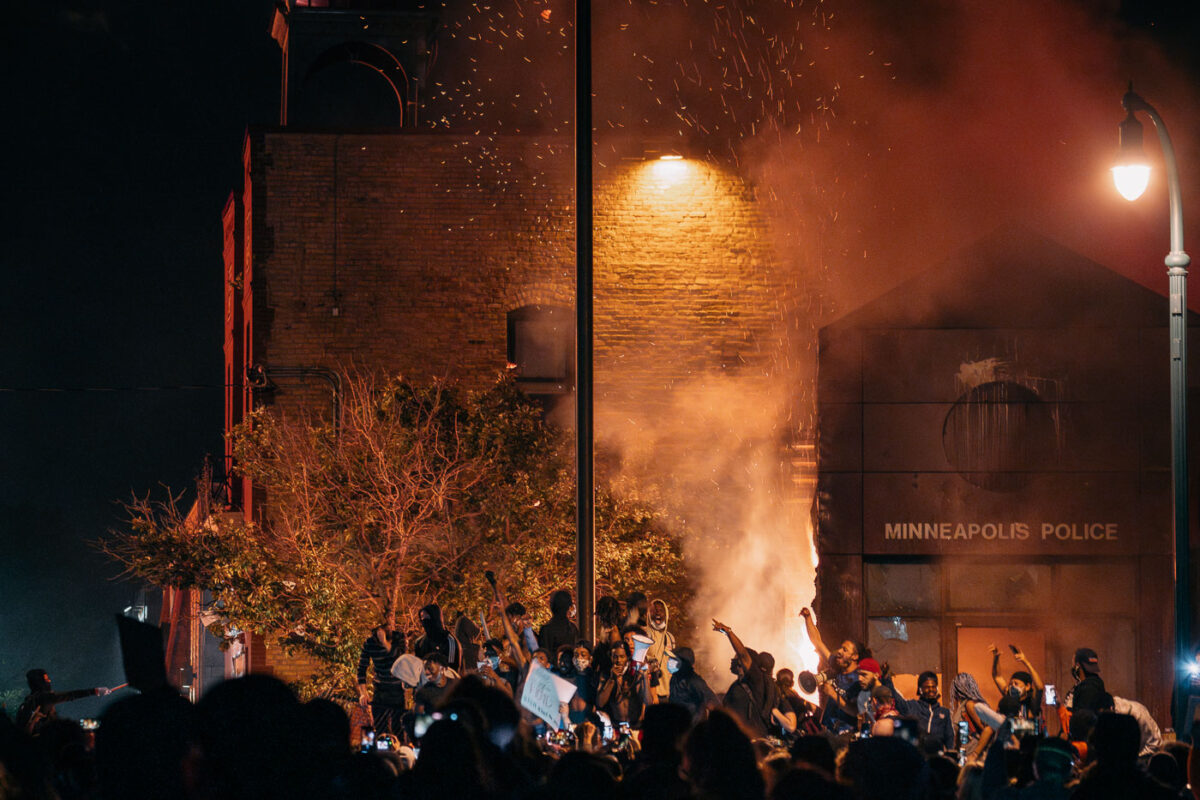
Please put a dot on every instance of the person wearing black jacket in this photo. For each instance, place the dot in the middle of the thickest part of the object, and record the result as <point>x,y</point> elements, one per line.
<point>688,689</point>
<point>39,705</point>
<point>559,630</point>
<point>1089,693</point>
<point>753,696</point>
<point>437,639</point>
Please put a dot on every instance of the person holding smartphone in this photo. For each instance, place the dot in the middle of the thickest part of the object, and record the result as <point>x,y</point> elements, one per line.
<point>1025,685</point>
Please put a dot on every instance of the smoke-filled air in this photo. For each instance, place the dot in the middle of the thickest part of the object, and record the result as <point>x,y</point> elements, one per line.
<point>870,140</point>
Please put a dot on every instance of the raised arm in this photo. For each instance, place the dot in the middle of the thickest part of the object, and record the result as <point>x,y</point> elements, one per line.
<point>1037,679</point>
<point>739,649</point>
<point>514,641</point>
<point>813,634</point>
<point>998,679</point>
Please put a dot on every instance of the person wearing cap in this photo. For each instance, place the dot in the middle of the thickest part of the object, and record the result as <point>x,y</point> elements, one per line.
<point>869,676</point>
<point>688,689</point>
<point>1089,692</point>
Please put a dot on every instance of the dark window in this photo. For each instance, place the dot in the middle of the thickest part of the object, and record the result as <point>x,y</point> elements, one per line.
<point>541,348</point>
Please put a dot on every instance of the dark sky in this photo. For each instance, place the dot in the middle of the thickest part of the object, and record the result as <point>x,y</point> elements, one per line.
<point>124,123</point>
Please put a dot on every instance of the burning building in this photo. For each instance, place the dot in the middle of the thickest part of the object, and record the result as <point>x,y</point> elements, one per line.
<point>994,468</point>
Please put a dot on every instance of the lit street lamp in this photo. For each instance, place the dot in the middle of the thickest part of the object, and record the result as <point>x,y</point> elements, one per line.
<point>1132,175</point>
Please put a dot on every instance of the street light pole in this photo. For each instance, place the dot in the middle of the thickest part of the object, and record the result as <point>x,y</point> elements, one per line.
<point>585,498</point>
<point>1177,262</point>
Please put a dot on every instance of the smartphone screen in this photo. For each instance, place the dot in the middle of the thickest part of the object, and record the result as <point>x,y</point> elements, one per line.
<point>368,740</point>
<point>1051,695</point>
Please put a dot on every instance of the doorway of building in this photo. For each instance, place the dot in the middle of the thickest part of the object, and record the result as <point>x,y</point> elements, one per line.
<point>975,657</point>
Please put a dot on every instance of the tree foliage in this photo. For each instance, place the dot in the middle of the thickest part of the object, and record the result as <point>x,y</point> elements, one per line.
<point>406,500</point>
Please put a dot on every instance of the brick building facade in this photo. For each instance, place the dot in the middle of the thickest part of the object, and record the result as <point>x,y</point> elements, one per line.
<point>447,256</point>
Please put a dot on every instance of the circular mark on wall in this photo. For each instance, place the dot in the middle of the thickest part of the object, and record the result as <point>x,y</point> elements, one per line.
<point>998,434</point>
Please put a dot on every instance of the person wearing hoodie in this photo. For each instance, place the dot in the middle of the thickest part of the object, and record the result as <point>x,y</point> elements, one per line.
<point>688,689</point>
<point>437,639</point>
<point>467,634</point>
<point>658,617</point>
<point>559,630</point>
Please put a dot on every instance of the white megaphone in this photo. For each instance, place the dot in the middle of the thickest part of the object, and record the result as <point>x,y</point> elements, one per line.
<point>640,645</point>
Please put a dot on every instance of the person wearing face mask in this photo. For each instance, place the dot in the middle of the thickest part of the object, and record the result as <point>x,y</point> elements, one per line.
<point>578,670</point>
<point>1025,685</point>
<point>688,689</point>
<point>437,639</point>
<point>663,640</point>
<point>491,670</point>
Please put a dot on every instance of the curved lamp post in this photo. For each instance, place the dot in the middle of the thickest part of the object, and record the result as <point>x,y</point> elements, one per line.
<point>1132,174</point>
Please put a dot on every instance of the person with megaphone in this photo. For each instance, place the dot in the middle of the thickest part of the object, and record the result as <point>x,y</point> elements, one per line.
<point>838,681</point>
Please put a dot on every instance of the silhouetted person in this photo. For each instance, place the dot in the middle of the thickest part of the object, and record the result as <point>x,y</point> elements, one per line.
<point>719,760</point>
<point>580,776</point>
<point>815,752</point>
<point>804,783</point>
<point>40,705</point>
<point>654,773</point>
<point>1114,772</point>
<point>250,744</point>
<point>882,768</point>
<point>141,745</point>
<point>559,630</point>
<point>451,766</point>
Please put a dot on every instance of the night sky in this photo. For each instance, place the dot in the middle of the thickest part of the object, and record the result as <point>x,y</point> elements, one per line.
<point>124,123</point>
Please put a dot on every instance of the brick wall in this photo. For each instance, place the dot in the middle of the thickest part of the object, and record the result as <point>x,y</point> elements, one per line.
<point>406,252</point>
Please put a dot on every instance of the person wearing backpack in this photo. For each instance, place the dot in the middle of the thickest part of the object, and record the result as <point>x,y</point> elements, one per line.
<point>753,695</point>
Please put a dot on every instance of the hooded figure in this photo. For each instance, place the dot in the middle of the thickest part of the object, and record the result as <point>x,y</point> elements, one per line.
<point>437,639</point>
<point>657,619</point>
<point>39,705</point>
<point>466,631</point>
<point>688,689</point>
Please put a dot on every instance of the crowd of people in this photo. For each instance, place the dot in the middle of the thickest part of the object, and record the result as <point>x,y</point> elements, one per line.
<point>451,714</point>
